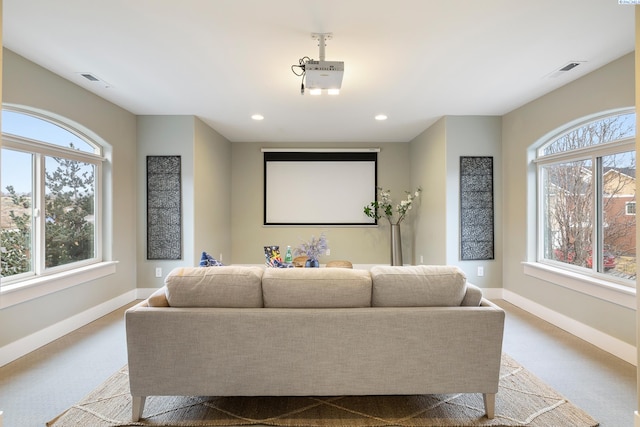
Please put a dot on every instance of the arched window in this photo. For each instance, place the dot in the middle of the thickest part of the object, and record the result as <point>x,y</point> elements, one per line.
<point>586,198</point>
<point>51,180</point>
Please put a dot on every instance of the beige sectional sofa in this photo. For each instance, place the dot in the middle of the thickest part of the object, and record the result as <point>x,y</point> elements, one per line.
<point>251,331</point>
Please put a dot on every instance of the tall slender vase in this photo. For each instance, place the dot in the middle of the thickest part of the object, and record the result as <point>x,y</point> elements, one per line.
<point>396,245</point>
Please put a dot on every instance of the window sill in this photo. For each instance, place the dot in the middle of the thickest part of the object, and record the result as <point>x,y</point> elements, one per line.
<point>44,285</point>
<point>624,296</point>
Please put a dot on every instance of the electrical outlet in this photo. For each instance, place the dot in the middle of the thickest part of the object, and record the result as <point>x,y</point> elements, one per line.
<point>328,251</point>
<point>480,271</point>
<point>421,259</point>
<point>220,259</point>
<point>158,271</point>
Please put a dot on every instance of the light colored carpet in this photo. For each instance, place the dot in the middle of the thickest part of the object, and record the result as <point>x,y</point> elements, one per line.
<point>522,400</point>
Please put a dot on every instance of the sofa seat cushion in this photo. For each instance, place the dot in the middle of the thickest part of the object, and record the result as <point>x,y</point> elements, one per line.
<point>316,288</point>
<point>417,286</point>
<point>227,286</point>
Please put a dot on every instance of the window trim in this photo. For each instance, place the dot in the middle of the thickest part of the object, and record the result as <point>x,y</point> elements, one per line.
<point>592,283</point>
<point>569,127</point>
<point>47,116</point>
<point>20,143</point>
<point>606,149</point>
<point>25,290</point>
<point>627,211</point>
<point>41,151</point>
<point>606,290</point>
<point>55,279</point>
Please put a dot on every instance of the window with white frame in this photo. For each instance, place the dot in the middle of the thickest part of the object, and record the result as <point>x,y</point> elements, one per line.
<point>50,176</point>
<point>586,198</point>
<point>630,208</point>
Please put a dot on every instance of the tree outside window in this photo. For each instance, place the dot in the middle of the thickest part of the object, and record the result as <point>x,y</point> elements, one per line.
<point>69,211</point>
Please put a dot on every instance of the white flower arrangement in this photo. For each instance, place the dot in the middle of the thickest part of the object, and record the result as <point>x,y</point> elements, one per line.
<point>384,206</point>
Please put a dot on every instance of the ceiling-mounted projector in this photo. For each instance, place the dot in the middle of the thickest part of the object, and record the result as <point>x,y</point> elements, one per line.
<point>323,74</point>
<point>320,75</point>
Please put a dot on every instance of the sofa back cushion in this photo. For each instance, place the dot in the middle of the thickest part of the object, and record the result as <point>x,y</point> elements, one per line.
<point>316,288</point>
<point>417,286</point>
<point>228,286</point>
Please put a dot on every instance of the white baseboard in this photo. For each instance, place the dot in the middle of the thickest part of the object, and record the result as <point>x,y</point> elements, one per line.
<point>492,293</point>
<point>23,346</point>
<point>612,345</point>
<point>144,293</point>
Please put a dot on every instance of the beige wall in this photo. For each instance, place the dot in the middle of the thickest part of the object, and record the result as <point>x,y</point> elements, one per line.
<point>361,245</point>
<point>212,193</point>
<point>429,170</point>
<point>27,84</point>
<point>474,136</point>
<point>164,136</point>
<point>435,160</point>
<point>206,186</point>
<point>611,87</point>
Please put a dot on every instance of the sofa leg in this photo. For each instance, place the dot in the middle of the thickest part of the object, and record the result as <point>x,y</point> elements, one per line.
<point>489,404</point>
<point>138,407</point>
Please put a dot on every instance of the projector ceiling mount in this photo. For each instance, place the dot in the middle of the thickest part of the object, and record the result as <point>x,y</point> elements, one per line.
<point>321,74</point>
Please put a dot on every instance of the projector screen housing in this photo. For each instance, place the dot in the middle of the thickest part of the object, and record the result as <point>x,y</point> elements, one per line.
<point>319,188</point>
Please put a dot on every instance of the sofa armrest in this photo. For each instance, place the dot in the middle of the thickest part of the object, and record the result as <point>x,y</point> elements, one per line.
<point>158,298</point>
<point>486,303</point>
<point>472,297</point>
<point>143,303</point>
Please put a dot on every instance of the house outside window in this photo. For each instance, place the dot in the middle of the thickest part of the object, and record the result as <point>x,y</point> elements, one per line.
<point>51,176</point>
<point>586,198</point>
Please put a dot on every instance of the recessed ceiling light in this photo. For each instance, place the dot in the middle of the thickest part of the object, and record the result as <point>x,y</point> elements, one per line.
<point>381,117</point>
<point>257,117</point>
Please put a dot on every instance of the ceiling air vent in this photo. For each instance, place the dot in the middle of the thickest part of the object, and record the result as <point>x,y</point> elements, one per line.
<point>569,66</point>
<point>565,68</point>
<point>90,77</point>
<point>95,79</point>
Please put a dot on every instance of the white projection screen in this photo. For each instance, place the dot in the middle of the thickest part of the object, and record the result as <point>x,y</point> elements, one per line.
<point>319,188</point>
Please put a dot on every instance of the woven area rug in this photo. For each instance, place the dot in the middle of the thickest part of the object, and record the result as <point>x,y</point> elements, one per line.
<point>523,400</point>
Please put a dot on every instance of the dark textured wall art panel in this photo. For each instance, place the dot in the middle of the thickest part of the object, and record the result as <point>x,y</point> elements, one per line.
<point>476,208</point>
<point>164,207</point>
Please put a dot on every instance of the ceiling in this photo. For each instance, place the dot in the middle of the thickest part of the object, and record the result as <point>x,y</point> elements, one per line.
<point>413,60</point>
